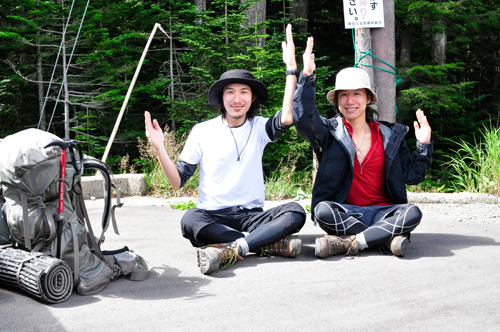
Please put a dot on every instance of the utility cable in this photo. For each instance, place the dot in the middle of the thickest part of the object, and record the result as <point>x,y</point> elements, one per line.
<point>69,63</point>
<point>55,66</point>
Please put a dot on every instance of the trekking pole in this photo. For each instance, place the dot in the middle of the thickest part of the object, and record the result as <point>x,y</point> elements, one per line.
<point>62,176</point>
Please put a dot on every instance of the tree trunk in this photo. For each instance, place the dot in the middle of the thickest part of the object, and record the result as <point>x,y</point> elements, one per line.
<point>496,80</point>
<point>43,122</point>
<point>439,46</point>
<point>256,14</point>
<point>299,11</point>
<point>171,59</point>
<point>66,93</point>
<point>226,38</point>
<point>363,40</point>
<point>65,83</point>
<point>405,53</point>
<point>201,5</point>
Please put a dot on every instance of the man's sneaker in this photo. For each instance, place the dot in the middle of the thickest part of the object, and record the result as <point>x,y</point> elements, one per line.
<point>398,245</point>
<point>330,245</point>
<point>217,257</point>
<point>289,246</point>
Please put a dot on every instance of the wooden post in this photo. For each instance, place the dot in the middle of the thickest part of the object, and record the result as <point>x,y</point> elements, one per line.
<point>171,60</point>
<point>384,48</point>
<point>129,92</point>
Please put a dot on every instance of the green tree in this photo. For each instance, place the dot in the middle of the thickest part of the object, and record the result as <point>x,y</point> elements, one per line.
<point>207,38</point>
<point>453,93</point>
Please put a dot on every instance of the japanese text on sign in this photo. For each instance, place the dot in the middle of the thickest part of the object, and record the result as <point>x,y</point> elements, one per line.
<point>363,14</point>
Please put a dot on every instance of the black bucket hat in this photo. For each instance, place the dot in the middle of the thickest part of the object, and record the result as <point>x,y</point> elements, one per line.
<point>236,76</point>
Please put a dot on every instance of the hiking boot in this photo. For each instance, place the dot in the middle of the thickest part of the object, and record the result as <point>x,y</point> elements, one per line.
<point>217,257</point>
<point>330,245</point>
<point>289,246</point>
<point>398,245</point>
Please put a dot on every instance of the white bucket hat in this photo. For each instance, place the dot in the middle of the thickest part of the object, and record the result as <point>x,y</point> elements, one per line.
<point>351,78</point>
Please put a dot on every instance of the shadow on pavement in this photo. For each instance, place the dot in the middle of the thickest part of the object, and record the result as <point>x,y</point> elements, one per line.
<point>163,283</point>
<point>13,302</point>
<point>443,245</point>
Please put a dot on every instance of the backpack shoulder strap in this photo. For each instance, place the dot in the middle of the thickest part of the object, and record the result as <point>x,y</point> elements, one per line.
<point>109,211</point>
<point>26,221</point>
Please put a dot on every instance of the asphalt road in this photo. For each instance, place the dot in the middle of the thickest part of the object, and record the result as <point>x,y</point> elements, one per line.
<point>448,281</point>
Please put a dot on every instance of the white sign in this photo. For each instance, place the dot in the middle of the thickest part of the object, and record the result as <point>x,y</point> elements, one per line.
<point>363,14</point>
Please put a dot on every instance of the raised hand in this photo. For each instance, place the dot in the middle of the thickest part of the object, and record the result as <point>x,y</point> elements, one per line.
<point>422,128</point>
<point>289,49</point>
<point>153,131</point>
<point>155,136</point>
<point>308,57</point>
<point>291,80</point>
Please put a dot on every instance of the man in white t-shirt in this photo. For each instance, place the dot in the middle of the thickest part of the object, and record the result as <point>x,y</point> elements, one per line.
<point>229,221</point>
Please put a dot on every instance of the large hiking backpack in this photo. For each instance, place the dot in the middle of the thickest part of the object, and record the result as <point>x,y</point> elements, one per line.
<point>30,164</point>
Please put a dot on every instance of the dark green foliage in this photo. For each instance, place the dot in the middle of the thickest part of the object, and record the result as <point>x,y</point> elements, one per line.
<point>461,95</point>
<point>458,96</point>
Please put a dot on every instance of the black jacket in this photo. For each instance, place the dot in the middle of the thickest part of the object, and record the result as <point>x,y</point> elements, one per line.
<point>336,151</point>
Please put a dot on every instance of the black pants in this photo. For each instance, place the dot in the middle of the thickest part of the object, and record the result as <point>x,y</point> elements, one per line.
<point>378,224</point>
<point>203,227</point>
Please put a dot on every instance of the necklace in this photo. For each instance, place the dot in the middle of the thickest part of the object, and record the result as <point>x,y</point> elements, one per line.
<point>235,143</point>
<point>358,150</point>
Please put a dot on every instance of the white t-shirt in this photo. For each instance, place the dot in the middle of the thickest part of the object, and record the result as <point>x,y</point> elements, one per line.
<point>225,181</point>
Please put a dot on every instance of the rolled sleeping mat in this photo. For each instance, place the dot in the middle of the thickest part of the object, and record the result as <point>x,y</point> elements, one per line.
<point>43,277</point>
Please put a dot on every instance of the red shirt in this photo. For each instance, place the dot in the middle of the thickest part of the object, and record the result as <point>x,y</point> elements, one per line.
<point>368,183</point>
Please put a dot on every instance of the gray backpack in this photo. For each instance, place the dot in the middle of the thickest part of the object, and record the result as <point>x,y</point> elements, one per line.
<point>44,211</point>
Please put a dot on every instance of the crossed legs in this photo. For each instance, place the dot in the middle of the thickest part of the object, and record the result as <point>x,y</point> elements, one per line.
<point>371,226</point>
<point>234,232</point>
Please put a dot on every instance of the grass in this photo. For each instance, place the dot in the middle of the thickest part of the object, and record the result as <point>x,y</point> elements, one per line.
<point>436,181</point>
<point>287,183</point>
<point>475,167</point>
<point>183,206</point>
<point>156,179</point>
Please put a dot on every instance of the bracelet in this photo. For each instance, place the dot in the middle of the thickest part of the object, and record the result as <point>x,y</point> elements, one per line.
<point>294,72</point>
